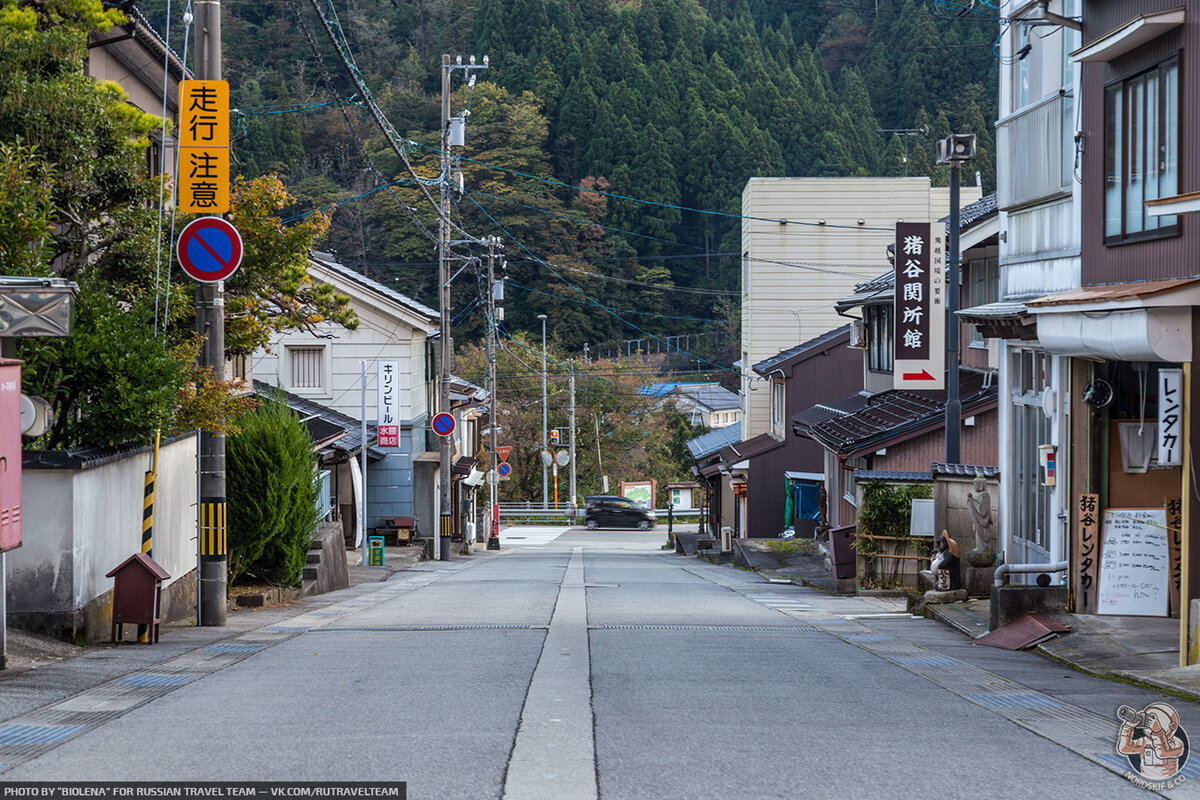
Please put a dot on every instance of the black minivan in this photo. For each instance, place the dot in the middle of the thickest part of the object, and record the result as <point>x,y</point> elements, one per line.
<point>611,511</point>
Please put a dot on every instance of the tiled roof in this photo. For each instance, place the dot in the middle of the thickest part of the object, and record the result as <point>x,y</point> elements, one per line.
<point>888,475</point>
<point>749,448</point>
<point>815,345</point>
<point>321,420</point>
<point>87,457</point>
<point>712,396</point>
<point>966,470</point>
<point>877,290</point>
<point>713,441</point>
<point>968,215</point>
<point>897,412</point>
<point>328,261</point>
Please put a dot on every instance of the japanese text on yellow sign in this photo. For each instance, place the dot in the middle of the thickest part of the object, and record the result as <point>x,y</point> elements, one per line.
<point>204,147</point>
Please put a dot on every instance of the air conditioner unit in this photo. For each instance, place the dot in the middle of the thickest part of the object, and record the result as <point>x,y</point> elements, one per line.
<point>858,335</point>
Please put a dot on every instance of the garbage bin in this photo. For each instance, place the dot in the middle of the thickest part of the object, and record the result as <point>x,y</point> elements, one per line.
<point>137,594</point>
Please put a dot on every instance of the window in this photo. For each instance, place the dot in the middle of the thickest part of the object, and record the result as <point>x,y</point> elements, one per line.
<point>1141,152</point>
<point>308,367</point>
<point>777,408</point>
<point>984,277</point>
<point>880,353</point>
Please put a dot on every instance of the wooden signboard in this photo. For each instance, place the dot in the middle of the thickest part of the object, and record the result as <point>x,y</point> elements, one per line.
<point>1134,562</point>
<point>1174,507</point>
<point>1087,546</point>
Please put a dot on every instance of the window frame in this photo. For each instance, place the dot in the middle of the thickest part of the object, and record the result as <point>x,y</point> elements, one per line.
<point>322,354</point>
<point>881,326</point>
<point>1119,97</point>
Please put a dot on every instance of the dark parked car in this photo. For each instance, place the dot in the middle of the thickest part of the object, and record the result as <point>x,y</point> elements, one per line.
<point>610,511</point>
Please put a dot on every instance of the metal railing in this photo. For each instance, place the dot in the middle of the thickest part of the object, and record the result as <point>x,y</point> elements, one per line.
<point>1036,148</point>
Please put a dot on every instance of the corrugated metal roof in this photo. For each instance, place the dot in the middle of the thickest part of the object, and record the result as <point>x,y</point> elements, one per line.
<point>1109,292</point>
<point>713,396</point>
<point>328,261</point>
<point>877,290</point>
<point>893,413</point>
<point>750,448</point>
<point>1003,309</point>
<point>713,441</point>
<point>813,346</point>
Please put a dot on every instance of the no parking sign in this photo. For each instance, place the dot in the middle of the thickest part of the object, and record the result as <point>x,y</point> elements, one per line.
<point>209,249</point>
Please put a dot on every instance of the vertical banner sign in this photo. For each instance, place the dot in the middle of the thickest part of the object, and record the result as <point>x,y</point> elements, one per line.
<point>203,177</point>
<point>1086,545</point>
<point>10,458</point>
<point>1174,506</point>
<point>1170,417</point>
<point>388,415</point>
<point>920,306</point>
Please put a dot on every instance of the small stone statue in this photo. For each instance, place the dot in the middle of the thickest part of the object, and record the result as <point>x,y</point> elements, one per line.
<point>979,506</point>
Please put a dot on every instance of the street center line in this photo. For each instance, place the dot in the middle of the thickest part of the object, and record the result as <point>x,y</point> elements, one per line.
<point>555,752</point>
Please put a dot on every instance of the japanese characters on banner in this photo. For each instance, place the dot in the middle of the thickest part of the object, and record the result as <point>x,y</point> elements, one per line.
<point>203,176</point>
<point>920,310</point>
<point>1170,417</point>
<point>1087,545</point>
<point>388,381</point>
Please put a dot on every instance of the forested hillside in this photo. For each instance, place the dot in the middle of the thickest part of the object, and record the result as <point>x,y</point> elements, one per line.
<point>676,102</point>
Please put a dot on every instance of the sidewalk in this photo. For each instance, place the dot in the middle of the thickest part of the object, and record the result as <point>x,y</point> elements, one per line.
<point>1144,650</point>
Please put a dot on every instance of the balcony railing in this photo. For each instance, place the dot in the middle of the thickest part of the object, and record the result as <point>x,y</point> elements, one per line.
<point>1035,152</point>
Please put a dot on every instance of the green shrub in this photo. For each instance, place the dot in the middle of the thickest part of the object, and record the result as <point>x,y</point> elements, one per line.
<point>272,490</point>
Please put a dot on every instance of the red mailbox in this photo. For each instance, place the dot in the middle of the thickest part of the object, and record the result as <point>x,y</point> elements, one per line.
<point>137,594</point>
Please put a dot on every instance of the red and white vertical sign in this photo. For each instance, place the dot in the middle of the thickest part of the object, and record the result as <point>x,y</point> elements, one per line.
<point>389,399</point>
<point>920,306</point>
<point>10,456</point>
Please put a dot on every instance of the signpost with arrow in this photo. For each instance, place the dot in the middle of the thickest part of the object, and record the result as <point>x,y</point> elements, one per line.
<point>920,306</point>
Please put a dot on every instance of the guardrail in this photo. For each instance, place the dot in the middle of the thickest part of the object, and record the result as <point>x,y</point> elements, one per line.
<point>531,509</point>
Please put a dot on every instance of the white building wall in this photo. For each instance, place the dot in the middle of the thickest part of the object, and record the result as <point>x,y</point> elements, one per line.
<point>794,273</point>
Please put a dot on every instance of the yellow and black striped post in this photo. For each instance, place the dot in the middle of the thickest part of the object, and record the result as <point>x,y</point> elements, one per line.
<point>212,529</point>
<point>148,500</point>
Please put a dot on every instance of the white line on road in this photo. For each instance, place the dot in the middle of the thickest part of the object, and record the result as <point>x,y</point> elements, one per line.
<point>555,754</point>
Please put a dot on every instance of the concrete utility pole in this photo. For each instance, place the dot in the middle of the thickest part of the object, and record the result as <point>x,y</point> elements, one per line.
<point>572,443</point>
<point>446,526</point>
<point>545,436</point>
<point>210,324</point>
<point>493,477</point>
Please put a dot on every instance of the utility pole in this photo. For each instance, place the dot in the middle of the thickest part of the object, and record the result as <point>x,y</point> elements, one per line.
<point>210,324</point>
<point>572,442</point>
<point>446,526</point>
<point>545,436</point>
<point>953,150</point>
<point>493,476</point>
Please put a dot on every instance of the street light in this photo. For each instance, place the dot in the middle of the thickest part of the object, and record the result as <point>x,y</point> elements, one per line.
<point>953,150</point>
<point>545,441</point>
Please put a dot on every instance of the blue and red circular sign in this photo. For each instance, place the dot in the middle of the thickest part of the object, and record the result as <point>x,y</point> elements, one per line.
<point>443,424</point>
<point>209,249</point>
<point>504,469</point>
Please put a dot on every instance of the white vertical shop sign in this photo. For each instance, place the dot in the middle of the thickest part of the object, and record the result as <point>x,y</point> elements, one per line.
<point>388,415</point>
<point>920,306</point>
<point>1170,417</point>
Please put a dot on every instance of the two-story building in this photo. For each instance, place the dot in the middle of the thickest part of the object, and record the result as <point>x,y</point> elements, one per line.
<point>337,369</point>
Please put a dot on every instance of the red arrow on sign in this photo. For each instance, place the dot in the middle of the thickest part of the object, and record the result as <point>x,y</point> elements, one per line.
<point>923,375</point>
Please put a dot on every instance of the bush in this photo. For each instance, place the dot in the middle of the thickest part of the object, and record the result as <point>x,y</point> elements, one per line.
<point>272,490</point>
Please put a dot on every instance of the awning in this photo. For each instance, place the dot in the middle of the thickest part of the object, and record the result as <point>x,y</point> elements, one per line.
<point>1133,33</point>
<point>1142,321</point>
<point>1006,319</point>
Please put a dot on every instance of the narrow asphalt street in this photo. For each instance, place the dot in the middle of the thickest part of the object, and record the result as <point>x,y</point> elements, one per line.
<point>577,664</point>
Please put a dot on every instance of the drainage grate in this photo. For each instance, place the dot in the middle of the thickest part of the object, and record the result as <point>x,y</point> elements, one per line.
<point>234,648</point>
<point>1014,700</point>
<point>17,735</point>
<point>869,637</point>
<point>145,679</point>
<point>408,628</point>
<point>711,628</point>
<point>327,613</point>
<point>286,628</point>
<point>926,661</point>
